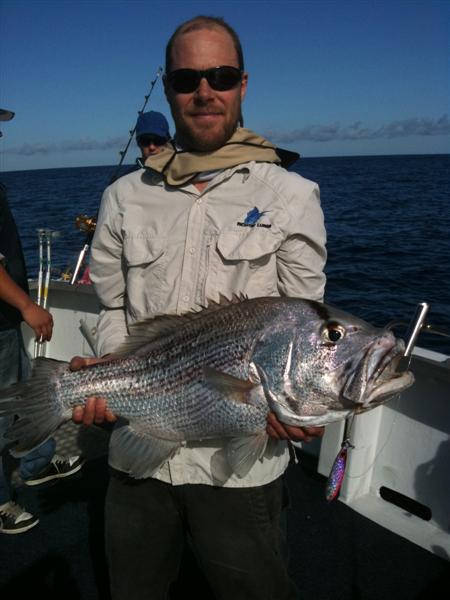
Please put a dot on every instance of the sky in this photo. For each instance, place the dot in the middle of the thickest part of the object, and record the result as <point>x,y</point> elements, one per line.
<point>326,77</point>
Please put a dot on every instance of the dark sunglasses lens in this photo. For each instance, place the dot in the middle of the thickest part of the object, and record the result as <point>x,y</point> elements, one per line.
<point>186,81</point>
<point>224,78</point>
<point>148,140</point>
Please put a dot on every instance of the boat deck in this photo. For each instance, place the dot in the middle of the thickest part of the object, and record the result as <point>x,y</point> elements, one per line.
<point>335,552</point>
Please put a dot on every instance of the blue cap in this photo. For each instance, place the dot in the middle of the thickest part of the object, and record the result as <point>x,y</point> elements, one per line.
<point>152,123</point>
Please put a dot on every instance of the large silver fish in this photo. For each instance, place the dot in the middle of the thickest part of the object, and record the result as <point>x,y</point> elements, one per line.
<point>216,373</point>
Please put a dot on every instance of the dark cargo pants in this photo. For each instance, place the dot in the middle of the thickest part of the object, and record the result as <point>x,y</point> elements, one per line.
<point>236,535</point>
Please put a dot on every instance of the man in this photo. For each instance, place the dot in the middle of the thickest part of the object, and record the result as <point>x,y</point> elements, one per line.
<point>212,215</point>
<point>152,132</point>
<point>41,464</point>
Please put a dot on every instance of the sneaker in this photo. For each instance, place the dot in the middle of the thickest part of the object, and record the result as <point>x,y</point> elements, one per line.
<point>15,519</point>
<point>59,467</point>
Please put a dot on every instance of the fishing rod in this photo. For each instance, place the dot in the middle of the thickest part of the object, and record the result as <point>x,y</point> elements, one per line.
<point>88,224</point>
<point>132,131</point>
<point>45,238</point>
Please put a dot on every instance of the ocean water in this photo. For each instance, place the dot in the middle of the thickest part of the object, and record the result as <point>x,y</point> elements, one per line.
<point>387,218</point>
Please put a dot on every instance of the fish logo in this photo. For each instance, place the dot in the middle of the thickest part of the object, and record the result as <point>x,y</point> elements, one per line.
<point>252,218</point>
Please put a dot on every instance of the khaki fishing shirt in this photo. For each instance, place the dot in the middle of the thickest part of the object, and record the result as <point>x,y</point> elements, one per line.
<point>256,230</point>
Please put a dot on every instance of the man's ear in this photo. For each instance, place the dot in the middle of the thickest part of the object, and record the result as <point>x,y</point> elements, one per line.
<point>244,82</point>
<point>166,87</point>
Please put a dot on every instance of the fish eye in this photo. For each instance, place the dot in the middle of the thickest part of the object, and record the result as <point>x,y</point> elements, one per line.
<point>333,333</point>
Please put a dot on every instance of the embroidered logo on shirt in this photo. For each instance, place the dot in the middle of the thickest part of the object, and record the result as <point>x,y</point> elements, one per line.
<point>252,218</point>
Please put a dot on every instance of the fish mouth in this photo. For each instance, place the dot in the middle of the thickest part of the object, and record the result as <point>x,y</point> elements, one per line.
<point>374,379</point>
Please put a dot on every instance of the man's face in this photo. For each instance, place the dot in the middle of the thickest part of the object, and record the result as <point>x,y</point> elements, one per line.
<point>205,119</point>
<point>150,145</point>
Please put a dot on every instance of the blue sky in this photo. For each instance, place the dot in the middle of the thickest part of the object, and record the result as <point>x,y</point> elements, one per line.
<point>327,78</point>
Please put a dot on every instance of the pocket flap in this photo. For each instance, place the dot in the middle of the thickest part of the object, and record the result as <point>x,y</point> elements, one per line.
<point>248,243</point>
<point>139,249</point>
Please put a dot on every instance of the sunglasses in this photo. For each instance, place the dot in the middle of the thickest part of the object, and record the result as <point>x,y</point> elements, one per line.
<point>148,140</point>
<point>221,79</point>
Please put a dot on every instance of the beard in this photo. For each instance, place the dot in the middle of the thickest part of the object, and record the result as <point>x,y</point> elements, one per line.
<point>205,137</point>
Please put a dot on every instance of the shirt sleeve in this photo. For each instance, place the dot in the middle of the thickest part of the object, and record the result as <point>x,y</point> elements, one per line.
<point>302,256</point>
<point>107,275</point>
<point>111,331</point>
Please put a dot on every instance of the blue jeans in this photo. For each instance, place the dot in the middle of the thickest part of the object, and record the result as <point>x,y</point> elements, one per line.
<point>15,366</point>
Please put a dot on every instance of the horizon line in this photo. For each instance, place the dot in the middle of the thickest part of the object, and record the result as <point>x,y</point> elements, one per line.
<point>302,157</point>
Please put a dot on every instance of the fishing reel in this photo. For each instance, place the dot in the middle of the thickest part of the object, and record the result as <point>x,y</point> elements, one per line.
<point>85,223</point>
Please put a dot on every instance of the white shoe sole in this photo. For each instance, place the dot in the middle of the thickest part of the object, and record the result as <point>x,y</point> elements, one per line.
<point>21,530</point>
<point>50,477</point>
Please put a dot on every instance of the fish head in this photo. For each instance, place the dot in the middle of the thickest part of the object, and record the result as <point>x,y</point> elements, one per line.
<point>330,364</point>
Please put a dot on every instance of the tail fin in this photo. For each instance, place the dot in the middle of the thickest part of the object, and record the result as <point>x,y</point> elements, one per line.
<point>35,403</point>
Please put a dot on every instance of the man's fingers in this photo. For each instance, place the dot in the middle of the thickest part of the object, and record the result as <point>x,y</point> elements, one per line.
<point>314,431</point>
<point>77,414</point>
<point>99,410</point>
<point>271,432</point>
<point>94,411</point>
<point>89,411</point>
<point>281,431</point>
<point>278,431</point>
<point>110,417</point>
<point>79,362</point>
<point>42,334</point>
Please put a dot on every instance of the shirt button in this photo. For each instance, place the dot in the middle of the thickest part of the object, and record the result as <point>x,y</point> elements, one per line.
<point>185,298</point>
<point>192,250</point>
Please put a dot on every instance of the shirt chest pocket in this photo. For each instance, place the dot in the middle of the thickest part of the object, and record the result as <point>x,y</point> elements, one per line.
<point>145,261</point>
<point>248,244</point>
<point>243,260</point>
<point>140,250</point>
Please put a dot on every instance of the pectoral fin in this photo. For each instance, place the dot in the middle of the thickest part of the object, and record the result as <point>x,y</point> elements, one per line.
<point>138,455</point>
<point>230,386</point>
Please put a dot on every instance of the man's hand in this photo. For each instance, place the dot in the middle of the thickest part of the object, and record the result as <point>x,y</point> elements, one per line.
<point>37,317</point>
<point>279,431</point>
<point>40,321</point>
<point>95,410</point>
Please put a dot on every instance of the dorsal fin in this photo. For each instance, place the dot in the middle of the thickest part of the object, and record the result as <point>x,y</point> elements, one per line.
<point>142,333</point>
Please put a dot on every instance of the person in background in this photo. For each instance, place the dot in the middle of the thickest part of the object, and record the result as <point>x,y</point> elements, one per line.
<point>41,464</point>
<point>152,132</point>
<point>213,214</point>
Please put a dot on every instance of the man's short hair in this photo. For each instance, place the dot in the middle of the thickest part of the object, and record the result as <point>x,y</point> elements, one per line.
<point>203,22</point>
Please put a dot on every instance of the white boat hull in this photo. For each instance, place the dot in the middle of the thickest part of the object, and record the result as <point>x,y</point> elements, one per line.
<point>398,474</point>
